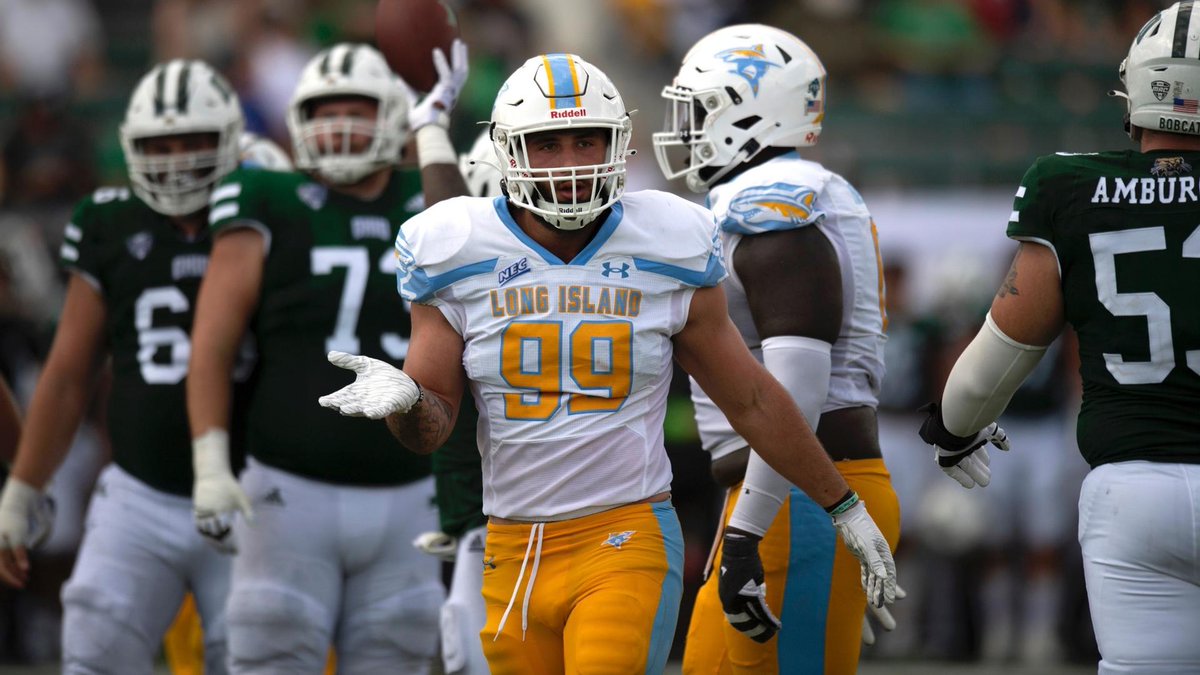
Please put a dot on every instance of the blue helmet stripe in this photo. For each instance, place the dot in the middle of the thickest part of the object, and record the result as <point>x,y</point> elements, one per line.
<point>564,81</point>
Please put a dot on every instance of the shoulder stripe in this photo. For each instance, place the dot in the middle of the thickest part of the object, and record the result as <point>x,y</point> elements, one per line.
<point>1014,217</point>
<point>73,232</point>
<point>227,210</point>
<point>69,252</point>
<point>417,286</point>
<point>711,275</point>
<point>227,191</point>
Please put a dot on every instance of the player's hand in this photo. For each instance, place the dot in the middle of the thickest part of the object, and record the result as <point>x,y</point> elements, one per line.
<point>437,544</point>
<point>742,589</point>
<point>26,517</point>
<point>866,542</point>
<point>435,108</point>
<point>378,389</point>
<point>882,616</point>
<point>963,458</point>
<point>216,495</point>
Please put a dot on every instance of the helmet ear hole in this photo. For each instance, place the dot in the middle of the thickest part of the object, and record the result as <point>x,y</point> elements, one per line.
<point>747,122</point>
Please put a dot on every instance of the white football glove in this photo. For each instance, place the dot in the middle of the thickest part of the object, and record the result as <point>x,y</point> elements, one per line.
<point>436,106</point>
<point>963,458</point>
<point>882,615</point>
<point>437,544</point>
<point>378,390</point>
<point>866,542</point>
<point>216,495</point>
<point>26,518</point>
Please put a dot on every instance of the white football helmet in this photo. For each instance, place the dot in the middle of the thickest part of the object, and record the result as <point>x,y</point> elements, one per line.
<point>348,70</point>
<point>479,168</point>
<point>556,92</point>
<point>1161,74</point>
<point>740,89</point>
<point>180,97</point>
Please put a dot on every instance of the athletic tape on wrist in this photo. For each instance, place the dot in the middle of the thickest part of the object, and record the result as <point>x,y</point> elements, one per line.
<point>434,147</point>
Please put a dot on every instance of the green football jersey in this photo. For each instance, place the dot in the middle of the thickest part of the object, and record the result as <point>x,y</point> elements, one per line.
<point>328,284</point>
<point>148,273</point>
<point>458,475</point>
<point>1125,227</point>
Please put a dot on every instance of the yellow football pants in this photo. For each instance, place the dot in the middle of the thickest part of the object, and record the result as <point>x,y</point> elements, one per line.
<point>183,645</point>
<point>597,595</point>
<point>813,586</point>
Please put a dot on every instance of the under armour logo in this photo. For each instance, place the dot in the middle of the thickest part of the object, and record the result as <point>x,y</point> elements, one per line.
<point>609,270</point>
<point>618,539</point>
<point>490,562</point>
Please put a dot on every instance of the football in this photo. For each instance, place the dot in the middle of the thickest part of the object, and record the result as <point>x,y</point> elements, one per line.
<point>407,31</point>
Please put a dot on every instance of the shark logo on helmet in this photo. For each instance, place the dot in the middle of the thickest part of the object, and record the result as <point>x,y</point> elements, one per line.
<point>749,62</point>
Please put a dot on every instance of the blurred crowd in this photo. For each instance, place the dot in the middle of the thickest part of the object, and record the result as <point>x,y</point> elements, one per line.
<point>924,94</point>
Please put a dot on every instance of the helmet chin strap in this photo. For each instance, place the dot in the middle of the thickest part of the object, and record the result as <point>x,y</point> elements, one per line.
<point>1135,133</point>
<point>563,222</point>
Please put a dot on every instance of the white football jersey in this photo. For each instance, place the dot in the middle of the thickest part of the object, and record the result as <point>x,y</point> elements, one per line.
<point>569,362</point>
<point>784,193</point>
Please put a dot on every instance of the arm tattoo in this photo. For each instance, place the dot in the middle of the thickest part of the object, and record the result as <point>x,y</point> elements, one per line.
<point>424,428</point>
<point>1009,287</point>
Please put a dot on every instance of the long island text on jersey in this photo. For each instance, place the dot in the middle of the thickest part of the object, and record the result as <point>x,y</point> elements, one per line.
<point>569,361</point>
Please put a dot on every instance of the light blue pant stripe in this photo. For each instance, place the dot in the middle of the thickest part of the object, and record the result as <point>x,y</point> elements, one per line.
<point>806,597</point>
<point>672,589</point>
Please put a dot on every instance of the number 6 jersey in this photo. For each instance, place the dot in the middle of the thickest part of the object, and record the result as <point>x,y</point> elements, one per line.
<point>148,273</point>
<point>569,362</point>
<point>1125,227</point>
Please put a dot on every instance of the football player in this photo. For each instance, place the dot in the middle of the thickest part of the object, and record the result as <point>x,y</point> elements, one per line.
<point>1108,242</point>
<point>136,258</point>
<point>303,262</point>
<point>806,293</point>
<point>563,305</point>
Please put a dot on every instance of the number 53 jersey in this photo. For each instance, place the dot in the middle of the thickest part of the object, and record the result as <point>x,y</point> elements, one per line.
<point>569,361</point>
<point>1125,228</point>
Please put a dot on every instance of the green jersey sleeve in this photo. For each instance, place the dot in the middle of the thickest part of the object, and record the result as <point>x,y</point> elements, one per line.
<point>1033,213</point>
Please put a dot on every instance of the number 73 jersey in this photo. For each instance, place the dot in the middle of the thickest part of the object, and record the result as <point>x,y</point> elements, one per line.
<point>569,361</point>
<point>1125,227</point>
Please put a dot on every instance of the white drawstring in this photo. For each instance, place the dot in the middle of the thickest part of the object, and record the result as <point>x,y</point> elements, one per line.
<point>534,533</point>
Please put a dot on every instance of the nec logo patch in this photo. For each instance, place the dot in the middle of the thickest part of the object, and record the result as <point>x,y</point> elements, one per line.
<point>513,271</point>
<point>609,270</point>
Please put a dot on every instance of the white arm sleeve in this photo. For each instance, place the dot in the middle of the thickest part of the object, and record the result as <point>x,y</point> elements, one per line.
<point>802,365</point>
<point>984,378</point>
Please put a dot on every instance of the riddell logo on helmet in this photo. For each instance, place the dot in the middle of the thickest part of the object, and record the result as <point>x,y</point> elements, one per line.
<point>572,112</point>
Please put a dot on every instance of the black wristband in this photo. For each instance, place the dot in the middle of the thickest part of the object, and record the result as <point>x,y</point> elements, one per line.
<point>933,431</point>
<point>842,505</point>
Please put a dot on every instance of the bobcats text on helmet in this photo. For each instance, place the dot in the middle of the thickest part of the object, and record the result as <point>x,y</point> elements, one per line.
<point>180,97</point>
<point>556,92</point>
<point>739,89</point>
<point>323,145</point>
<point>1161,74</point>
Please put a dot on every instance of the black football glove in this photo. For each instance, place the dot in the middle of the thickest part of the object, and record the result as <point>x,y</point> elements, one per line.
<point>742,589</point>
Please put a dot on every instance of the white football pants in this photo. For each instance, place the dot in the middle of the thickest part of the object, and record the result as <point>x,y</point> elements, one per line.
<point>140,554</point>
<point>1139,525</point>
<point>464,614</point>
<point>324,563</point>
